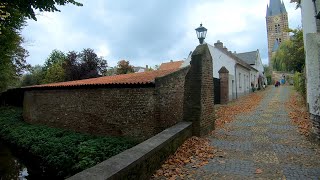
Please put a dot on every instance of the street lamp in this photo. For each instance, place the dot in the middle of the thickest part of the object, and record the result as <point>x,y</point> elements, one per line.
<point>201,33</point>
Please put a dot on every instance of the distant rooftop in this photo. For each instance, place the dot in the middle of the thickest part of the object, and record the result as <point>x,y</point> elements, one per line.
<point>171,65</point>
<point>133,78</point>
<point>248,57</point>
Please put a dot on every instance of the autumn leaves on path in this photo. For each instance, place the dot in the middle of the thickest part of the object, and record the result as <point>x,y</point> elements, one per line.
<point>197,152</point>
<point>254,138</point>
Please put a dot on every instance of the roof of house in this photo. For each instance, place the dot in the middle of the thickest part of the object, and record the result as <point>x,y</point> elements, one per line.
<point>275,8</point>
<point>139,69</point>
<point>233,56</point>
<point>171,65</point>
<point>248,57</point>
<point>133,78</point>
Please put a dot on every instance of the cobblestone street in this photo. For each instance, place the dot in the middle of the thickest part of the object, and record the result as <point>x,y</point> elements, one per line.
<point>262,144</point>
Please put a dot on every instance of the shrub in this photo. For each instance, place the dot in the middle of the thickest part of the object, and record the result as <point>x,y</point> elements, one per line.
<point>299,83</point>
<point>269,80</point>
<point>64,152</point>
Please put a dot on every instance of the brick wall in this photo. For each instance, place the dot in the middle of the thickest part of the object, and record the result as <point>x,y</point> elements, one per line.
<point>136,112</point>
<point>101,111</point>
<point>198,99</point>
<point>170,93</point>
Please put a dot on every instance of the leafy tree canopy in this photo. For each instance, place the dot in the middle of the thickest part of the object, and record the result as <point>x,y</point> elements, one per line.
<point>124,67</point>
<point>290,55</point>
<point>27,7</point>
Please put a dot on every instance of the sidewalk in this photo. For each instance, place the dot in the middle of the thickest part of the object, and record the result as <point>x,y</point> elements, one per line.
<point>262,144</point>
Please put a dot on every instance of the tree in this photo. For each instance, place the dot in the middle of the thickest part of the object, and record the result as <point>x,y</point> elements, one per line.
<point>53,67</point>
<point>34,77</point>
<point>83,65</point>
<point>91,65</point>
<point>55,74</point>
<point>12,54</point>
<point>27,7</point>
<point>71,66</point>
<point>124,67</point>
<point>13,14</point>
<point>290,55</point>
<point>56,56</point>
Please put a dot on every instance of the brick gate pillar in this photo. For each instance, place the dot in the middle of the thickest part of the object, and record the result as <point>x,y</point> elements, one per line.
<point>224,85</point>
<point>198,97</point>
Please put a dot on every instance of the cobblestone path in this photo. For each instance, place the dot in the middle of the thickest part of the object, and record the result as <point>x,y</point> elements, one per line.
<point>263,145</point>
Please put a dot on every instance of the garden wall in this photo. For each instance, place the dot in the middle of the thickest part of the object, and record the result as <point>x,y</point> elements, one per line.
<point>139,111</point>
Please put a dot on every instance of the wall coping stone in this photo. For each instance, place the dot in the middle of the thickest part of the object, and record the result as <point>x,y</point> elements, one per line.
<point>119,165</point>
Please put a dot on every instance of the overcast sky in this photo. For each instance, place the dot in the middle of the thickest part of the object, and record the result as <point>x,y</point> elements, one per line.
<point>149,32</point>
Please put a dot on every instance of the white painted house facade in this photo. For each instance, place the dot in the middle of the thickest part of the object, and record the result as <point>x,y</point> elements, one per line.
<point>253,58</point>
<point>310,15</point>
<point>241,74</point>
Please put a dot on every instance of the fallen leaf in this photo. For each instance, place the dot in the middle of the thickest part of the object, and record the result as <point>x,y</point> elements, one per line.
<point>258,171</point>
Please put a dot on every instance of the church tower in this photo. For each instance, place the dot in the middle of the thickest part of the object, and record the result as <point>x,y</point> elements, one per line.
<point>277,23</point>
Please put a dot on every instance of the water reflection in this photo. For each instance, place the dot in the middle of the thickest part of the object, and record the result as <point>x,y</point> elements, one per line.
<point>10,167</point>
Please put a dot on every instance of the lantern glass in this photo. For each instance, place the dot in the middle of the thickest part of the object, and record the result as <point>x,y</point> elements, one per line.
<point>201,33</point>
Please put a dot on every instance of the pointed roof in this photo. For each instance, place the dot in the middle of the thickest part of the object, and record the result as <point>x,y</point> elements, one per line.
<point>248,57</point>
<point>283,8</point>
<point>275,46</point>
<point>276,7</point>
<point>268,12</point>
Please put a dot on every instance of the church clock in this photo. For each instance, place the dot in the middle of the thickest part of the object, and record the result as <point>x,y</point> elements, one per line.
<point>276,19</point>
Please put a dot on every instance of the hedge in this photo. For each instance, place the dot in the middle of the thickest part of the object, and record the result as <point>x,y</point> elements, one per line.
<point>65,152</point>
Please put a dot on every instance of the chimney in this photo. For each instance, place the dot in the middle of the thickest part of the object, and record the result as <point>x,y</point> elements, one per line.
<point>224,48</point>
<point>218,44</point>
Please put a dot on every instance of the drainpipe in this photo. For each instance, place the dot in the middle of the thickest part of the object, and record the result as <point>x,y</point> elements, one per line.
<point>235,79</point>
<point>317,15</point>
<point>249,81</point>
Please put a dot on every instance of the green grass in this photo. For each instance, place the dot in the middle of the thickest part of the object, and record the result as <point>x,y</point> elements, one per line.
<point>65,151</point>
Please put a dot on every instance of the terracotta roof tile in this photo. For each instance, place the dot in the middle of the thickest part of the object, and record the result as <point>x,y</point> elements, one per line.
<point>171,65</point>
<point>133,78</point>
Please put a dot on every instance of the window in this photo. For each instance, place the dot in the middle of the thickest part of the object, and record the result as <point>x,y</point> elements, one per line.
<point>278,40</point>
<point>277,28</point>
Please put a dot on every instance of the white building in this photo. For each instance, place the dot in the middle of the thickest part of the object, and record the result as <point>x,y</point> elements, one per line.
<point>311,27</point>
<point>241,74</point>
<point>253,58</point>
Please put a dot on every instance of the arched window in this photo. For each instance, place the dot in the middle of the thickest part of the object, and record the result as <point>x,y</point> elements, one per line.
<point>277,28</point>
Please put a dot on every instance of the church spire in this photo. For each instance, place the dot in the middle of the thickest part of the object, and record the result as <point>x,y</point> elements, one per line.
<point>283,8</point>
<point>276,8</point>
<point>268,13</point>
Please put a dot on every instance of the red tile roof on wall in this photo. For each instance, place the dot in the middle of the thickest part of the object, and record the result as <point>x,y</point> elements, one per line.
<point>170,65</point>
<point>134,78</point>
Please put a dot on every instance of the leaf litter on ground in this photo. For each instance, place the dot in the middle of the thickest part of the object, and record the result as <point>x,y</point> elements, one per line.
<point>298,113</point>
<point>196,152</point>
<point>226,113</point>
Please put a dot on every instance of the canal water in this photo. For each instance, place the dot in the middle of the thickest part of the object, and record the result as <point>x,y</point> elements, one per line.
<point>10,167</point>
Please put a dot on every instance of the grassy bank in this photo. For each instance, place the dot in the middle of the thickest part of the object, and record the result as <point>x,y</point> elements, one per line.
<point>64,151</point>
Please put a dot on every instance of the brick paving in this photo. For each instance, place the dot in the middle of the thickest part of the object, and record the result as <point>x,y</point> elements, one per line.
<point>265,140</point>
